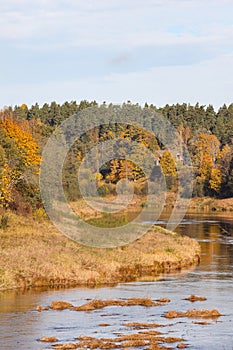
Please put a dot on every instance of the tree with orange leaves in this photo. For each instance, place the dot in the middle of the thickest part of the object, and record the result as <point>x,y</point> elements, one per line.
<point>169,170</point>
<point>215,179</point>
<point>20,157</point>
<point>206,144</point>
<point>208,176</point>
<point>28,147</point>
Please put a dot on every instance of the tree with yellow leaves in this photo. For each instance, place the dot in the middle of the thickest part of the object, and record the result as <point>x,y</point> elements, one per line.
<point>5,186</point>
<point>206,144</point>
<point>21,159</point>
<point>28,147</point>
<point>168,164</point>
<point>215,180</point>
<point>169,170</point>
<point>206,167</point>
<point>208,174</point>
<point>121,169</point>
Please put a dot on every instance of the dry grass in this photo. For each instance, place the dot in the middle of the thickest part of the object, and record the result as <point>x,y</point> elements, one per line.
<point>194,313</point>
<point>60,305</point>
<point>203,323</point>
<point>182,346</point>
<point>151,339</point>
<point>163,300</point>
<point>35,254</point>
<point>206,204</point>
<point>212,204</point>
<point>49,339</point>
<point>100,304</point>
<point>194,298</point>
<point>144,339</point>
<point>138,325</point>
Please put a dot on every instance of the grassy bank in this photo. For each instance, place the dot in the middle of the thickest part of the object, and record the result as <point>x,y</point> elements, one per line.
<point>204,204</point>
<point>212,204</point>
<point>34,253</point>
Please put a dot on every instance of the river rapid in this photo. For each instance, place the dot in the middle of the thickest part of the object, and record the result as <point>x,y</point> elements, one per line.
<point>21,325</point>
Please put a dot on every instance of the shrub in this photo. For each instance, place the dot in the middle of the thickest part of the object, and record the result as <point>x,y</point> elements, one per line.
<point>4,221</point>
<point>106,189</point>
<point>39,214</point>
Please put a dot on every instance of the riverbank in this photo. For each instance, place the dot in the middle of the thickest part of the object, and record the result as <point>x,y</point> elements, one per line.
<point>211,204</point>
<point>35,254</point>
<point>202,204</point>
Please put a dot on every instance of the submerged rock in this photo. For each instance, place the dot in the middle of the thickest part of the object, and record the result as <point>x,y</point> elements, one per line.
<point>66,346</point>
<point>100,304</point>
<point>39,308</point>
<point>194,298</point>
<point>182,346</point>
<point>138,325</point>
<point>49,339</point>
<point>163,300</point>
<point>194,313</point>
<point>60,305</point>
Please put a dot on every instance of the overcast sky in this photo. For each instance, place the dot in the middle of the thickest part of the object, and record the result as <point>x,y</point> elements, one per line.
<point>159,51</point>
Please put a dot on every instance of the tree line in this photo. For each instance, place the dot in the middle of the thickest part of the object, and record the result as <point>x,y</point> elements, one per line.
<point>207,135</point>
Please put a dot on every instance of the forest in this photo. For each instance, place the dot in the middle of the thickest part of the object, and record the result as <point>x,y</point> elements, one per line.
<point>207,134</point>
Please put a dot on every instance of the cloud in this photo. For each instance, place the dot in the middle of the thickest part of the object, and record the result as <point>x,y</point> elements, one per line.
<point>113,45</point>
<point>106,22</point>
<point>120,59</point>
<point>208,82</point>
<point>120,26</point>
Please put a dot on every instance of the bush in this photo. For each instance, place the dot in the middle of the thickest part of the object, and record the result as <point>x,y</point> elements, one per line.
<point>4,221</point>
<point>39,214</point>
<point>140,189</point>
<point>106,189</point>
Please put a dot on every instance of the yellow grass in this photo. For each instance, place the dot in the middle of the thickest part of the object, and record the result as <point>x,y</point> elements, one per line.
<point>34,253</point>
<point>212,204</point>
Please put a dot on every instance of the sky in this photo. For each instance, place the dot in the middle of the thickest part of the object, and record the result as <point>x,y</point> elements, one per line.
<point>155,51</point>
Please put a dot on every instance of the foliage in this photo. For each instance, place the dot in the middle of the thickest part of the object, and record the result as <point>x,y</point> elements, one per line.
<point>4,221</point>
<point>208,135</point>
<point>6,186</point>
<point>28,148</point>
<point>20,158</point>
<point>168,164</point>
<point>215,180</point>
<point>169,170</point>
<point>207,144</point>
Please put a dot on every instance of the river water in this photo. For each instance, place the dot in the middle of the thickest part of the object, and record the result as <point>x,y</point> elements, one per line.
<point>21,325</point>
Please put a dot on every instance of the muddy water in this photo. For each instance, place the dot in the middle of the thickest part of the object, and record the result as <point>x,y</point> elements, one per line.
<point>21,325</point>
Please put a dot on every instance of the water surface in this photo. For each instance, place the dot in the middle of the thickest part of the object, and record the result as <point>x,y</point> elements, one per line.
<point>21,325</point>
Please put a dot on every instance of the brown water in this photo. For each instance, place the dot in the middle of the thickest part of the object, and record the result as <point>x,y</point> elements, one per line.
<point>21,326</point>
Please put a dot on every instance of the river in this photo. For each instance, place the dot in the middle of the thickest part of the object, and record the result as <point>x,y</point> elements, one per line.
<point>21,325</point>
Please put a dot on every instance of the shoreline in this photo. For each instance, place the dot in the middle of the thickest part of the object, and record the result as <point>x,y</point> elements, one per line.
<point>35,254</point>
<point>202,204</point>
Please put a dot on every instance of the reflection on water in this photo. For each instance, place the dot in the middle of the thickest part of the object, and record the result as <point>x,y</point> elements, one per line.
<point>215,234</point>
<point>21,325</point>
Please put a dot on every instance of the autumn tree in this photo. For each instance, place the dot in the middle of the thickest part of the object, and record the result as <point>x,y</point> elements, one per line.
<point>21,158</point>
<point>206,150</point>
<point>215,180</point>
<point>224,161</point>
<point>169,170</point>
<point>206,144</point>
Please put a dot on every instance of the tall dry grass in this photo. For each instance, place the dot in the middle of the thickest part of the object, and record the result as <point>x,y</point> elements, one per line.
<point>34,253</point>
